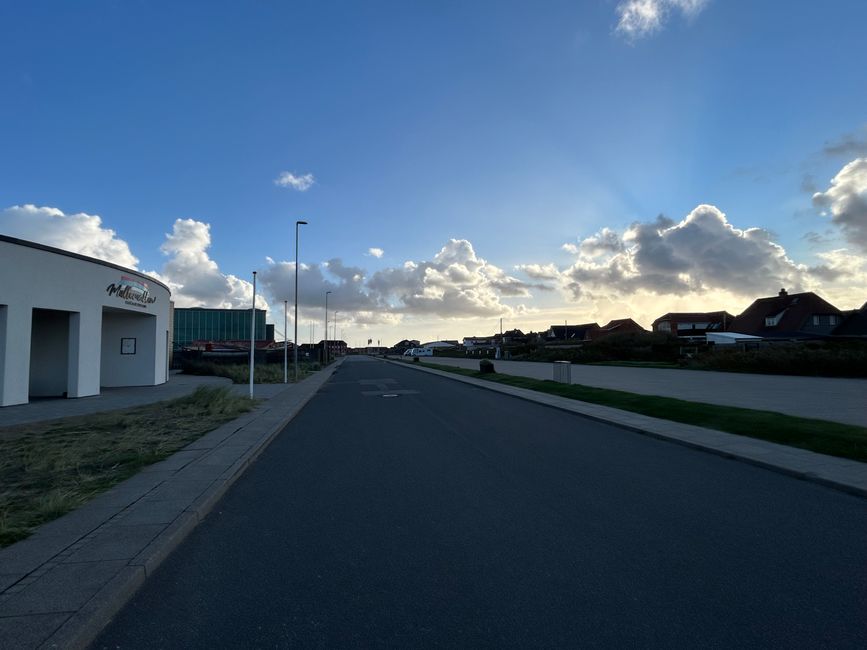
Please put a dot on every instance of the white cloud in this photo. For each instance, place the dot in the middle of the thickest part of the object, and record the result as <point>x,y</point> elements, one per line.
<point>455,284</point>
<point>79,233</point>
<point>301,183</point>
<point>375,252</point>
<point>541,271</point>
<point>700,253</point>
<point>846,201</point>
<point>639,18</point>
<point>194,278</point>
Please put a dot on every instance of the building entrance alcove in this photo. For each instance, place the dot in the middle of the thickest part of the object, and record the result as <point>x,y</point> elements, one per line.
<point>128,348</point>
<point>49,353</point>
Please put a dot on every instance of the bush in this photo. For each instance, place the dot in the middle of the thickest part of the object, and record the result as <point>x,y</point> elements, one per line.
<point>841,359</point>
<point>486,366</point>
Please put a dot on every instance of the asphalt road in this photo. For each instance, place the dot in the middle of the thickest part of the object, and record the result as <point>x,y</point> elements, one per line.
<point>454,516</point>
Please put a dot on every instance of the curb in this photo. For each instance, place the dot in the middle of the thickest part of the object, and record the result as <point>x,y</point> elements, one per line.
<point>85,625</point>
<point>576,409</point>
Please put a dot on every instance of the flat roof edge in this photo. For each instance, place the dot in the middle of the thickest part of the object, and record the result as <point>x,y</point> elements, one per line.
<point>60,251</point>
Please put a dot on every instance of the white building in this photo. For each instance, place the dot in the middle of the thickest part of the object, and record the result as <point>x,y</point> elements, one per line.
<point>70,324</point>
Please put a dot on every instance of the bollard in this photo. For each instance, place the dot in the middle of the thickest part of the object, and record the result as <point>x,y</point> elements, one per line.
<point>563,372</point>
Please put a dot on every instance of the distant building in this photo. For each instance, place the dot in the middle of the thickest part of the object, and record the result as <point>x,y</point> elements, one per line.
<point>403,346</point>
<point>478,342</point>
<point>854,324</point>
<point>193,324</point>
<point>439,345</point>
<point>693,323</point>
<point>570,333</point>
<point>789,316</point>
<point>618,326</point>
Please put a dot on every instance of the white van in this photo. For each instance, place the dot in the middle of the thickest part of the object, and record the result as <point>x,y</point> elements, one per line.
<point>419,352</point>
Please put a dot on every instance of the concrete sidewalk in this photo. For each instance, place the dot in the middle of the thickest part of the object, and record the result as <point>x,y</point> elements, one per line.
<point>59,587</point>
<point>839,473</point>
<point>824,398</point>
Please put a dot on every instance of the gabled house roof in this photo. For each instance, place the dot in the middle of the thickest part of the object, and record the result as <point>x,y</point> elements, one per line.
<point>854,323</point>
<point>617,326</point>
<point>571,332</point>
<point>625,324</point>
<point>783,316</point>
<point>696,317</point>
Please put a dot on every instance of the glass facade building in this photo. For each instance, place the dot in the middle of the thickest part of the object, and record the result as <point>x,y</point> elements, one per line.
<point>199,324</point>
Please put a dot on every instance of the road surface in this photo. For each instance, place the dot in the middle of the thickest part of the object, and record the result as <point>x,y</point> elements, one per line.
<point>453,516</point>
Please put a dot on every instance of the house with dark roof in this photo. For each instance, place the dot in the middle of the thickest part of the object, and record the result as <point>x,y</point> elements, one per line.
<point>693,323</point>
<point>789,316</point>
<point>617,326</point>
<point>570,333</point>
<point>854,324</point>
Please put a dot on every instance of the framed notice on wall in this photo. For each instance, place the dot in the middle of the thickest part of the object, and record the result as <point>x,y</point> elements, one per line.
<point>127,346</point>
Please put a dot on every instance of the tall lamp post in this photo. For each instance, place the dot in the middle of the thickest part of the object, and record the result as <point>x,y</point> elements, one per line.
<point>253,335</point>
<point>295,340</point>
<point>325,349</point>
<point>285,343</point>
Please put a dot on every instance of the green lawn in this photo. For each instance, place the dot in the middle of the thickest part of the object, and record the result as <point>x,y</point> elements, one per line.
<point>835,439</point>
<point>54,467</point>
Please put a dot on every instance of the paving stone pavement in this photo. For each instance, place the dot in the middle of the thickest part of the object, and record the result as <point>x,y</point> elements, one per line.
<point>60,586</point>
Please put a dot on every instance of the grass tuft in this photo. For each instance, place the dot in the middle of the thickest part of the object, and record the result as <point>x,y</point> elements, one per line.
<point>265,373</point>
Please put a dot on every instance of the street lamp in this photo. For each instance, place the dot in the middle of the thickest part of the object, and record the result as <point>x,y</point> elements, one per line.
<point>295,340</point>
<point>325,349</point>
<point>285,343</point>
<point>253,336</point>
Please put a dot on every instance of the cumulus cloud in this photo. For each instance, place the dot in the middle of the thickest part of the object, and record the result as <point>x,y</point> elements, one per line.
<point>194,278</point>
<point>541,271</point>
<point>375,252</point>
<point>846,202</point>
<point>700,253</point>
<point>301,183</point>
<point>455,284</point>
<point>639,18</point>
<point>79,233</point>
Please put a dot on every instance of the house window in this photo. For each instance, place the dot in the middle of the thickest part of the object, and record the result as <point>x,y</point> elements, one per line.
<point>815,320</point>
<point>773,321</point>
<point>664,326</point>
<point>834,319</point>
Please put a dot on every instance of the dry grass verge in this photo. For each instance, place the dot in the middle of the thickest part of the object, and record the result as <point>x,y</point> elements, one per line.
<point>53,467</point>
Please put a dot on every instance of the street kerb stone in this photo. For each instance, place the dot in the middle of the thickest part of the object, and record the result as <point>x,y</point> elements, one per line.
<point>160,548</point>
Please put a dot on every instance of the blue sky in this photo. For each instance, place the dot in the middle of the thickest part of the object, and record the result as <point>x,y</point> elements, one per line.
<point>517,127</point>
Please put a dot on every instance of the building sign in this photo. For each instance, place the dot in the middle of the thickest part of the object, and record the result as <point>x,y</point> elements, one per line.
<point>132,291</point>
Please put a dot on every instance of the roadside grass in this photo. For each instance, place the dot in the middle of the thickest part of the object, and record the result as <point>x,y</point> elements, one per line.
<point>53,467</point>
<point>635,364</point>
<point>821,436</point>
<point>239,373</point>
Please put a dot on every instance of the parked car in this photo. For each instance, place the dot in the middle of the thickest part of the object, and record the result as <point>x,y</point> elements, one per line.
<point>418,352</point>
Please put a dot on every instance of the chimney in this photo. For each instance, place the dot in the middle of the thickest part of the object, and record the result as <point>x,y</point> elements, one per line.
<point>783,292</point>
